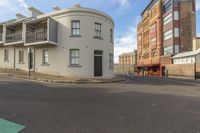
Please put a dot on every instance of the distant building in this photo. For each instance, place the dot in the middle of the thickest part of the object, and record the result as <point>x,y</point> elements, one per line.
<point>196,43</point>
<point>187,57</point>
<point>127,63</point>
<point>128,58</point>
<point>167,28</point>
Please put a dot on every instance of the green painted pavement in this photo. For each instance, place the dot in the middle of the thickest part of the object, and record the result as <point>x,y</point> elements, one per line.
<point>10,127</point>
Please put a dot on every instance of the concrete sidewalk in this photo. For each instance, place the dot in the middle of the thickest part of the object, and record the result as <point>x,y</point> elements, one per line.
<point>56,79</point>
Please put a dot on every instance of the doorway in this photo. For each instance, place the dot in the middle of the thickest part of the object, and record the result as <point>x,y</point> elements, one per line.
<point>98,63</point>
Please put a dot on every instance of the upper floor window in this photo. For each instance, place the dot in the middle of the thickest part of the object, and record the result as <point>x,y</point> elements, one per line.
<point>75,28</point>
<point>168,35</point>
<point>110,60</point>
<point>176,15</point>
<point>168,50</point>
<point>74,57</point>
<point>167,5</point>
<point>21,56</point>
<point>176,32</point>
<point>97,30</point>
<point>111,35</point>
<point>167,19</point>
<point>6,57</point>
<point>45,57</point>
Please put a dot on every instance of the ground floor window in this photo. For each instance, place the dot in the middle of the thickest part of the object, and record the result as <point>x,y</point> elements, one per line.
<point>45,57</point>
<point>6,58</point>
<point>74,57</point>
<point>110,60</point>
<point>21,56</point>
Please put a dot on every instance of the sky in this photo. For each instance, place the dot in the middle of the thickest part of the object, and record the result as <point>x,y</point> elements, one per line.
<point>126,14</point>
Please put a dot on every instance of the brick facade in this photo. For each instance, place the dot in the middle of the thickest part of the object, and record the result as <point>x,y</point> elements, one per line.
<point>164,32</point>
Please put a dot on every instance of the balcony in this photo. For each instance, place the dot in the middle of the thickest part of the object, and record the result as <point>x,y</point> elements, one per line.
<point>13,35</point>
<point>41,32</point>
<point>1,34</point>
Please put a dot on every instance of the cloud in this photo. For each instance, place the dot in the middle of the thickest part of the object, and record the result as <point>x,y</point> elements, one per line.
<point>197,5</point>
<point>124,3</point>
<point>10,7</point>
<point>127,42</point>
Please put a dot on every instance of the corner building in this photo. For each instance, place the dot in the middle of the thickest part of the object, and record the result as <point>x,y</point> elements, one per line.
<point>167,28</point>
<point>75,42</point>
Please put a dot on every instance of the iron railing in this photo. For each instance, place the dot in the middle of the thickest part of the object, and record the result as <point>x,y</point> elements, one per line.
<point>1,37</point>
<point>15,37</point>
<point>36,37</point>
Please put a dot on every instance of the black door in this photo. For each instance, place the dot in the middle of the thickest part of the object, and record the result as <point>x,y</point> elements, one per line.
<point>31,59</point>
<point>97,65</point>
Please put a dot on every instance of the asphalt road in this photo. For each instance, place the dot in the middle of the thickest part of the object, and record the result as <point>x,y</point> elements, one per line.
<point>140,105</point>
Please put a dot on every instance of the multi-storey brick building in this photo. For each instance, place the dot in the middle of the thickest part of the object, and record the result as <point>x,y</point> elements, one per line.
<point>167,28</point>
<point>128,58</point>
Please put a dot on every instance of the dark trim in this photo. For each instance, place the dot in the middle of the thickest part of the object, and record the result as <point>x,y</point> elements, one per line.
<point>45,64</point>
<point>75,36</point>
<point>74,66</point>
<point>96,37</point>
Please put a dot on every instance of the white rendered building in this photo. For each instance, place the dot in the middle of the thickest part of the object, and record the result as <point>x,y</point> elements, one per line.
<point>74,42</point>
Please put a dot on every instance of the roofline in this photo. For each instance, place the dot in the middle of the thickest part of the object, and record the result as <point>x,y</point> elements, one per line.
<point>68,10</point>
<point>146,8</point>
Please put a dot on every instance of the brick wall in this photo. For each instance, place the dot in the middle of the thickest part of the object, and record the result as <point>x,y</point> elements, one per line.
<point>181,70</point>
<point>124,69</point>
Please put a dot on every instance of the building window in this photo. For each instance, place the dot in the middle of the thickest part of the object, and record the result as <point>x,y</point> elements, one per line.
<point>168,50</point>
<point>176,15</point>
<point>167,19</point>
<point>176,32</point>
<point>110,60</point>
<point>76,28</point>
<point>111,36</point>
<point>176,48</point>
<point>74,57</point>
<point>97,30</point>
<point>21,56</point>
<point>168,35</point>
<point>6,57</point>
<point>167,5</point>
<point>45,57</point>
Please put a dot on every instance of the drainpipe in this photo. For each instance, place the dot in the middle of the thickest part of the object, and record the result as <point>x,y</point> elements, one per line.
<point>14,59</point>
<point>34,58</point>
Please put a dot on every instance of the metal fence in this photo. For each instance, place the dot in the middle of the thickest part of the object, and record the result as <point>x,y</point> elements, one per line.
<point>36,37</point>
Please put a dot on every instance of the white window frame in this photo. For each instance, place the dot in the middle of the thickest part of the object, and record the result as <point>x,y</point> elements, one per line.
<point>45,57</point>
<point>21,56</point>
<point>176,32</point>
<point>74,57</point>
<point>75,27</point>
<point>168,35</point>
<point>6,55</point>
<point>167,19</point>
<point>111,62</point>
<point>176,15</point>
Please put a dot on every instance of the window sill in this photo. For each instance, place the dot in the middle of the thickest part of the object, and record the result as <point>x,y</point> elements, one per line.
<point>96,37</point>
<point>74,66</point>
<point>45,65</point>
<point>21,62</point>
<point>111,67</point>
<point>6,61</point>
<point>75,36</point>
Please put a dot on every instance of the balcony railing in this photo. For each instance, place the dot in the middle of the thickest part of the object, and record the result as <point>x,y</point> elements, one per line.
<point>1,37</point>
<point>36,37</point>
<point>14,37</point>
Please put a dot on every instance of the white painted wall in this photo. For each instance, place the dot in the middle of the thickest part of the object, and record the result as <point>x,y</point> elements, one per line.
<point>59,56</point>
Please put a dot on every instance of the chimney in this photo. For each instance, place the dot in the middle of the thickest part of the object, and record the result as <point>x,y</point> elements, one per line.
<point>34,12</point>
<point>77,5</point>
<point>56,8</point>
<point>20,16</point>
